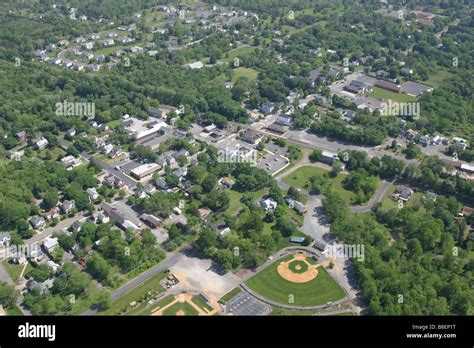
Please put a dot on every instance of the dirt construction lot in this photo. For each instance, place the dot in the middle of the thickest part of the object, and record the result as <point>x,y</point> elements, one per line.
<point>205,276</point>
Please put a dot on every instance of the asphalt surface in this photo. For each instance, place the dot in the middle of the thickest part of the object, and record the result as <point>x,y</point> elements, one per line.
<point>169,261</point>
<point>49,231</point>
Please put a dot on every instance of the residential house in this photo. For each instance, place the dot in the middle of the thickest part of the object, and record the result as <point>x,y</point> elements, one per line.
<point>161,183</point>
<point>53,266</point>
<point>14,155</point>
<point>21,136</point>
<point>204,212</point>
<point>181,172</point>
<point>403,193</point>
<point>102,218</point>
<point>424,140</point>
<point>277,128</point>
<point>52,214</point>
<point>50,243</point>
<point>226,182</point>
<point>76,226</point>
<point>149,189</point>
<point>140,193</point>
<point>267,108</point>
<point>37,222</point>
<point>68,206</point>
<point>298,206</point>
<point>5,239</point>
<point>195,65</point>
<point>268,204</point>
<point>41,144</point>
<point>93,194</point>
<point>283,120</point>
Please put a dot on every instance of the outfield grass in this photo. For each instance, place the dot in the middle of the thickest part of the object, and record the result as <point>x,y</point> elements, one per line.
<point>185,306</point>
<point>318,291</point>
<point>380,93</point>
<point>121,305</point>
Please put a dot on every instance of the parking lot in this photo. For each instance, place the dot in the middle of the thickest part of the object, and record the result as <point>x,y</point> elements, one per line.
<point>244,304</point>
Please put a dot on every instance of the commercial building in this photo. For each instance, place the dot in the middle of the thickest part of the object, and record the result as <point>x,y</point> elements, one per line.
<point>144,170</point>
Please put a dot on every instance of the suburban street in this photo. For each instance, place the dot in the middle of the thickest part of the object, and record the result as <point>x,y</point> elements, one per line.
<point>49,231</point>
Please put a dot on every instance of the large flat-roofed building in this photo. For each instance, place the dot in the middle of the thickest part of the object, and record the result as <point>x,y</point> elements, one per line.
<point>389,86</point>
<point>144,170</point>
<point>141,128</point>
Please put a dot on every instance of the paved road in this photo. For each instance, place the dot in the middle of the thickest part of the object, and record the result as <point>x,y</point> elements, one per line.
<point>169,261</point>
<point>49,231</point>
<point>374,200</point>
<point>111,170</point>
<point>4,277</point>
<point>313,141</point>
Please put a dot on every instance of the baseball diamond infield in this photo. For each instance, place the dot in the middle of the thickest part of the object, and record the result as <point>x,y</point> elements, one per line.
<point>286,283</point>
<point>183,304</point>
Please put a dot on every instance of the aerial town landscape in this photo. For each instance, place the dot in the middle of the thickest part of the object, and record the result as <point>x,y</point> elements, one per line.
<point>237,158</point>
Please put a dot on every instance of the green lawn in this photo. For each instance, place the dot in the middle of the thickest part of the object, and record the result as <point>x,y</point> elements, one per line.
<point>285,241</point>
<point>248,73</point>
<point>230,295</point>
<point>436,79</point>
<point>14,270</point>
<point>198,300</point>
<point>185,306</point>
<point>13,311</point>
<point>235,205</point>
<point>388,202</point>
<point>380,93</point>
<point>238,52</point>
<point>301,176</point>
<point>318,291</point>
<point>121,305</point>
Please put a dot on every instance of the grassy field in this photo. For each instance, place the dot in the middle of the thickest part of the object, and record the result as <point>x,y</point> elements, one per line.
<point>238,52</point>
<point>235,196</point>
<point>185,307</point>
<point>198,301</point>
<point>121,305</point>
<point>230,295</point>
<point>436,79</point>
<point>285,242</point>
<point>389,203</point>
<point>380,93</point>
<point>248,73</point>
<point>318,291</point>
<point>301,176</point>
<point>14,270</point>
